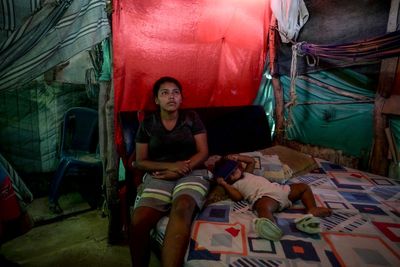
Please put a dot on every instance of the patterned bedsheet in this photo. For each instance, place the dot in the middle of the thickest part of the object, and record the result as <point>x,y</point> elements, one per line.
<point>364,229</point>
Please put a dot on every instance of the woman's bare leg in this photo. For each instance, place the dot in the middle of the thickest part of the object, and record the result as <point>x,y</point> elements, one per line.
<point>177,235</point>
<point>143,220</point>
<point>303,192</point>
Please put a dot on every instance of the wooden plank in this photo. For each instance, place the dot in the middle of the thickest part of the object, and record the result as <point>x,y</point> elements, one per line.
<point>393,15</point>
<point>280,125</point>
<point>276,84</point>
<point>379,162</point>
<point>392,145</point>
<point>392,105</point>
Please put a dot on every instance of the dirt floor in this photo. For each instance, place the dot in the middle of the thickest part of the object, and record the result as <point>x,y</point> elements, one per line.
<point>78,238</point>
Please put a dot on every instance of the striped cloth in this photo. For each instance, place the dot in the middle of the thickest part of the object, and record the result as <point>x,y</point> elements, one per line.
<point>13,12</point>
<point>49,37</point>
<point>22,192</point>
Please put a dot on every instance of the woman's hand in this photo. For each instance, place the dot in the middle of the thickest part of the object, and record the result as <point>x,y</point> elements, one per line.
<point>181,167</point>
<point>166,175</point>
<point>174,171</point>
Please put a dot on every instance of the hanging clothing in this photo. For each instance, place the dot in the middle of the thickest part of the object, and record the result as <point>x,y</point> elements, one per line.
<point>291,16</point>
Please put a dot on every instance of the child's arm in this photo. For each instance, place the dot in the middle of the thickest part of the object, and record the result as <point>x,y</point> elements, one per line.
<point>250,162</point>
<point>233,193</point>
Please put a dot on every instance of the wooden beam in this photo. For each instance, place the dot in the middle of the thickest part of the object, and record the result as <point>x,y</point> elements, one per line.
<point>393,15</point>
<point>272,47</point>
<point>379,162</point>
<point>276,84</point>
<point>279,119</point>
<point>392,105</point>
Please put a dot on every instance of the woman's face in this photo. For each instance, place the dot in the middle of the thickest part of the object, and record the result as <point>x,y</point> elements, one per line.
<point>169,97</point>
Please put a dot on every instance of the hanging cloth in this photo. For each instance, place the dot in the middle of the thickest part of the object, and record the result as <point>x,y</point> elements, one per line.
<point>291,16</point>
<point>49,37</point>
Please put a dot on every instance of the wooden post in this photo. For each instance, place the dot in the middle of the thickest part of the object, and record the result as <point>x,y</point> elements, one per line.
<point>276,84</point>
<point>379,162</point>
<point>280,125</point>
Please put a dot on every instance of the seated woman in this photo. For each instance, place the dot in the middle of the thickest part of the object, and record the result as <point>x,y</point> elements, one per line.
<point>171,146</point>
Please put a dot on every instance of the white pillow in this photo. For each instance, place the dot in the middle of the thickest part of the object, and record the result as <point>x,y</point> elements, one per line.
<point>270,167</point>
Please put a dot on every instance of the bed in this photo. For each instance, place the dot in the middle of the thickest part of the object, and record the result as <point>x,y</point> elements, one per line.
<point>364,229</point>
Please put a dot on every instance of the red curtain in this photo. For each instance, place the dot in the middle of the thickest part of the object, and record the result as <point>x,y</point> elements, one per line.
<point>215,48</point>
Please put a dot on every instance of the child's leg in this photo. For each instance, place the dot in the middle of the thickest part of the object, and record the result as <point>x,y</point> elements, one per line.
<point>303,192</point>
<point>265,208</point>
<point>265,225</point>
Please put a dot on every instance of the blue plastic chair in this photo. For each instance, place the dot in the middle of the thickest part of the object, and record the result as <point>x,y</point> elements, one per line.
<point>78,155</point>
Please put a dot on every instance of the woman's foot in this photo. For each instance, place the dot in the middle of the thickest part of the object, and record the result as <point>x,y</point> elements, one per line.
<point>55,208</point>
<point>320,212</point>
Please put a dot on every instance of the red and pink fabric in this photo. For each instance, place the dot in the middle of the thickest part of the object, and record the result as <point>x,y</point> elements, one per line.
<point>216,49</point>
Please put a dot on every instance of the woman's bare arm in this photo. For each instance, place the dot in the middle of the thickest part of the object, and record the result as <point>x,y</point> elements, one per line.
<point>143,163</point>
<point>201,155</point>
<point>172,170</point>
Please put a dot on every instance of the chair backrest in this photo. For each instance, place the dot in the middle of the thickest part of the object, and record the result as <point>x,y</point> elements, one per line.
<point>80,130</point>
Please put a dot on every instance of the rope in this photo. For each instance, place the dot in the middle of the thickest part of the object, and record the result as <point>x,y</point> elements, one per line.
<point>365,51</point>
<point>293,76</point>
<point>92,74</point>
<point>92,87</point>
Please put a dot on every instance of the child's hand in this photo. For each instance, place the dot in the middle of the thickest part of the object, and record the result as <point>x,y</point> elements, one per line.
<point>233,157</point>
<point>221,181</point>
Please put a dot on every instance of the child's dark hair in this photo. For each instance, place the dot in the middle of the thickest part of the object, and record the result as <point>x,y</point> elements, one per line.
<point>165,79</point>
<point>224,168</point>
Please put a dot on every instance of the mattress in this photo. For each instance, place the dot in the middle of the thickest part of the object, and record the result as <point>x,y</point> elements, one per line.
<point>364,229</point>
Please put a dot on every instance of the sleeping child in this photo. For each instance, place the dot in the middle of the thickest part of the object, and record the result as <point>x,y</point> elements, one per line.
<point>266,197</point>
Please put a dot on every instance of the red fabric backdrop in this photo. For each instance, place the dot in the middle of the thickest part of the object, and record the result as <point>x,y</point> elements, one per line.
<point>215,48</point>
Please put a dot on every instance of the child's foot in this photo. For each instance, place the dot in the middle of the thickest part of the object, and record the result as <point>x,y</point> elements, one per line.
<point>320,212</point>
<point>308,224</point>
<point>265,228</point>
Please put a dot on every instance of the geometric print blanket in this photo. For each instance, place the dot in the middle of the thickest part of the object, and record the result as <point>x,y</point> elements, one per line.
<point>364,229</point>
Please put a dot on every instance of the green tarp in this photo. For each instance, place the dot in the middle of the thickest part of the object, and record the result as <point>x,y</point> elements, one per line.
<point>394,123</point>
<point>326,118</point>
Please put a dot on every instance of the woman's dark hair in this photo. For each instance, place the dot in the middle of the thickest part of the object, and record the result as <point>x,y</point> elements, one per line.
<point>165,79</point>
